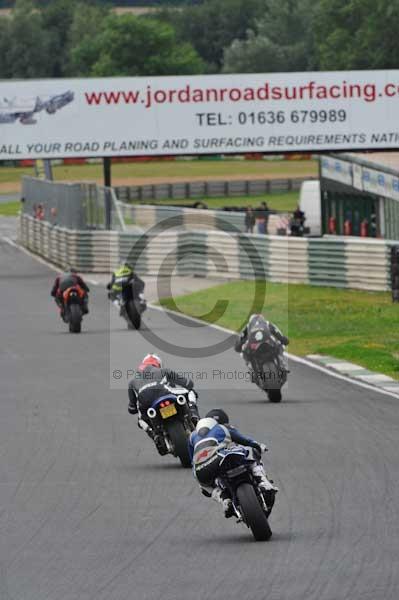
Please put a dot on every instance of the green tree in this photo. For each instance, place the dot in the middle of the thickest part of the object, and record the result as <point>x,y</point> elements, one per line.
<point>88,22</point>
<point>129,45</point>
<point>357,34</point>
<point>57,18</point>
<point>213,25</point>
<point>5,43</point>
<point>28,54</point>
<point>281,41</point>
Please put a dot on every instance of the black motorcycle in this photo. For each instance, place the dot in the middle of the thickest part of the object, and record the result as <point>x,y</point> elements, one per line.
<point>130,301</point>
<point>172,419</point>
<point>251,505</point>
<point>265,355</point>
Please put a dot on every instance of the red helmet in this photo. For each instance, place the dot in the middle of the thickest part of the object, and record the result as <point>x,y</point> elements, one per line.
<point>150,359</point>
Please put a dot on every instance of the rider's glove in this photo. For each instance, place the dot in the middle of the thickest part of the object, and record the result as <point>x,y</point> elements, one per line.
<point>263,447</point>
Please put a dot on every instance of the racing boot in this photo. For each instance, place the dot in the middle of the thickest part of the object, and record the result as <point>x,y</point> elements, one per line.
<point>156,437</point>
<point>222,497</point>
<point>145,427</point>
<point>265,485</point>
<point>192,403</point>
<point>160,444</point>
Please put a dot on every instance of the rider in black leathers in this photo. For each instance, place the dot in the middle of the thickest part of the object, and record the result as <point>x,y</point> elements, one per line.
<point>150,382</point>
<point>259,322</point>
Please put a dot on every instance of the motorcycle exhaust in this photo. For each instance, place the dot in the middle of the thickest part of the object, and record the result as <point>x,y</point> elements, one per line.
<point>151,413</point>
<point>181,400</point>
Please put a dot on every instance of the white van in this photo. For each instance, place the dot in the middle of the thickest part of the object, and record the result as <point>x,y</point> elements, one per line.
<point>310,204</point>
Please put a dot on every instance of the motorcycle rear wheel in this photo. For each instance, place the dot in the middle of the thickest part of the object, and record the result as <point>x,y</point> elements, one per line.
<point>178,437</point>
<point>133,315</point>
<point>274,395</point>
<point>254,516</point>
<point>75,318</point>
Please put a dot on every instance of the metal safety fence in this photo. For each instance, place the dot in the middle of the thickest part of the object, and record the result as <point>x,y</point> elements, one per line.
<point>81,206</point>
<point>206,189</point>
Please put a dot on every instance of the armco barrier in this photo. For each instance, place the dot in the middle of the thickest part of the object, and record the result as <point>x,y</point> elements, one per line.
<point>330,261</point>
<point>207,189</point>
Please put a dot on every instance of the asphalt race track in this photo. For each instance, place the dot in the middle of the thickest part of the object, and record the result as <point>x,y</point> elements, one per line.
<point>89,511</point>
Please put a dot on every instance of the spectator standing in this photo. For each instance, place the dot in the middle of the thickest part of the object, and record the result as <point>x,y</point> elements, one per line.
<point>249,220</point>
<point>298,222</point>
<point>262,218</point>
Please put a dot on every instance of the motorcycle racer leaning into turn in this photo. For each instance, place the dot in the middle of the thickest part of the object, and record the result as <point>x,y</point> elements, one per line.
<point>255,322</point>
<point>258,322</point>
<point>215,426</point>
<point>150,382</point>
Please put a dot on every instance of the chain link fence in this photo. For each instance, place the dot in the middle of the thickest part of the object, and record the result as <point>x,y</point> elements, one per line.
<point>80,206</point>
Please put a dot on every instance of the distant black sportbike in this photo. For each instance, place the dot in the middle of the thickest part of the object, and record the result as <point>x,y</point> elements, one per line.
<point>251,505</point>
<point>172,422</point>
<point>265,356</point>
<point>130,301</point>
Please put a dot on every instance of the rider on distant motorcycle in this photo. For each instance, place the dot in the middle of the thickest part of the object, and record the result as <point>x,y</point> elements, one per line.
<point>150,382</point>
<point>215,426</point>
<point>258,322</point>
<point>66,280</point>
<point>126,275</point>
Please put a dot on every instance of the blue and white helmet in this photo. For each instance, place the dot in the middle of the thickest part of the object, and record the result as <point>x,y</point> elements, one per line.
<point>204,426</point>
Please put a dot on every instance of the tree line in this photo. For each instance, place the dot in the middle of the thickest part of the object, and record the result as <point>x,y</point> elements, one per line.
<point>70,38</point>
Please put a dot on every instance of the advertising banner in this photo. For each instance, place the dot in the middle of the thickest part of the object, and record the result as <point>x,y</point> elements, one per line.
<point>213,114</point>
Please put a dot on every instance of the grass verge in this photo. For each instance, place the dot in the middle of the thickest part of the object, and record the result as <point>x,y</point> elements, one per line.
<point>166,170</point>
<point>10,209</point>
<point>285,201</point>
<point>357,326</point>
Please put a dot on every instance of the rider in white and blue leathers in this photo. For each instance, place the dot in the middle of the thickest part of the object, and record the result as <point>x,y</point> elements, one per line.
<point>214,432</point>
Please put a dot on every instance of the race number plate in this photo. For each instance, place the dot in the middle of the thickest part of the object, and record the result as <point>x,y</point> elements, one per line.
<point>168,411</point>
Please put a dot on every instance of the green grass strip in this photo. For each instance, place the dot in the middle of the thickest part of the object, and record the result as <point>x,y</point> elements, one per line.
<point>10,209</point>
<point>357,326</point>
<point>166,169</point>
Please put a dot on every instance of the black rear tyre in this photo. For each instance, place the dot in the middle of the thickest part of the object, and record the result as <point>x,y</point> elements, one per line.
<point>253,513</point>
<point>134,315</point>
<point>274,395</point>
<point>75,318</point>
<point>178,437</point>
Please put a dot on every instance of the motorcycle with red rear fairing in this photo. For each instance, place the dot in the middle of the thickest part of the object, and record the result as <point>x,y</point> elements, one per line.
<point>73,307</point>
